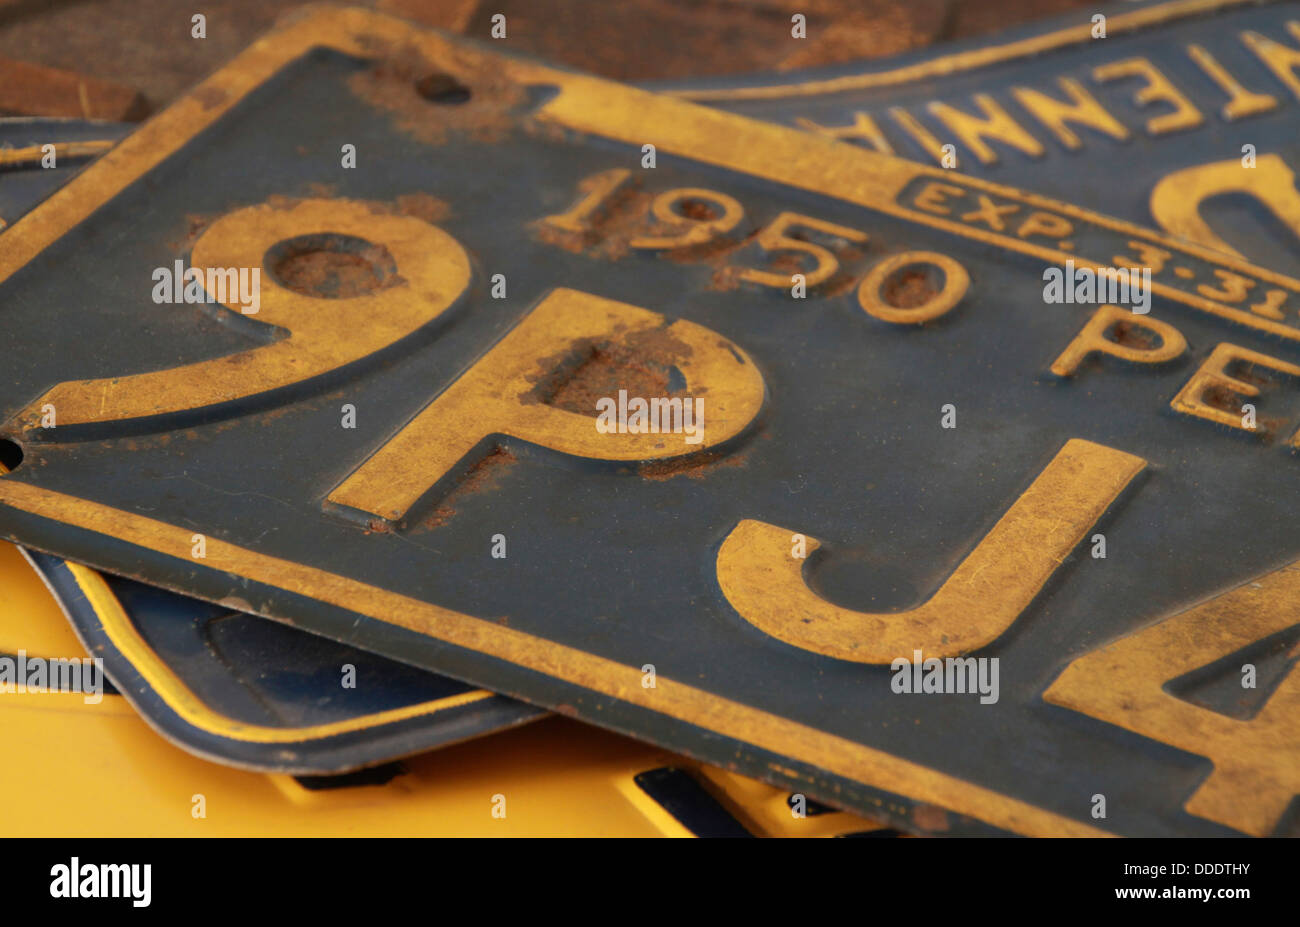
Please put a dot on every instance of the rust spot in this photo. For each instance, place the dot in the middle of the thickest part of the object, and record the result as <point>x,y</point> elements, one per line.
<point>423,206</point>
<point>323,191</point>
<point>714,251</point>
<point>280,201</point>
<point>1230,401</point>
<point>697,210</point>
<point>660,342</point>
<point>838,284</point>
<point>416,205</point>
<point>209,97</point>
<point>725,278</point>
<point>620,219</point>
<point>908,289</point>
<point>416,92</point>
<point>786,264</point>
<point>930,817</point>
<point>484,475</point>
<point>437,518</point>
<point>333,267</point>
<point>1134,336</point>
<point>692,466</point>
<point>710,252</point>
<point>195,225</point>
<point>603,371</point>
<point>641,362</point>
<point>1249,373</point>
<point>441,87</point>
<point>1223,399</point>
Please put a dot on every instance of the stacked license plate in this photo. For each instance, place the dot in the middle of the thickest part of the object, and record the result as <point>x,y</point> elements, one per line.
<point>401,436</point>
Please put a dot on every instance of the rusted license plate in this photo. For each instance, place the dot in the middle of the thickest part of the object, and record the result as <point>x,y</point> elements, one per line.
<point>1180,114</point>
<point>915,494</point>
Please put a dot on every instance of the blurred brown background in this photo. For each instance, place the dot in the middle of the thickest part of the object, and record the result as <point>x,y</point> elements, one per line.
<point>121,59</point>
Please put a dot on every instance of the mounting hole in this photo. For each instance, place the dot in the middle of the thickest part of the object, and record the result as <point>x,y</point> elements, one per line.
<point>440,87</point>
<point>331,266</point>
<point>11,455</point>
